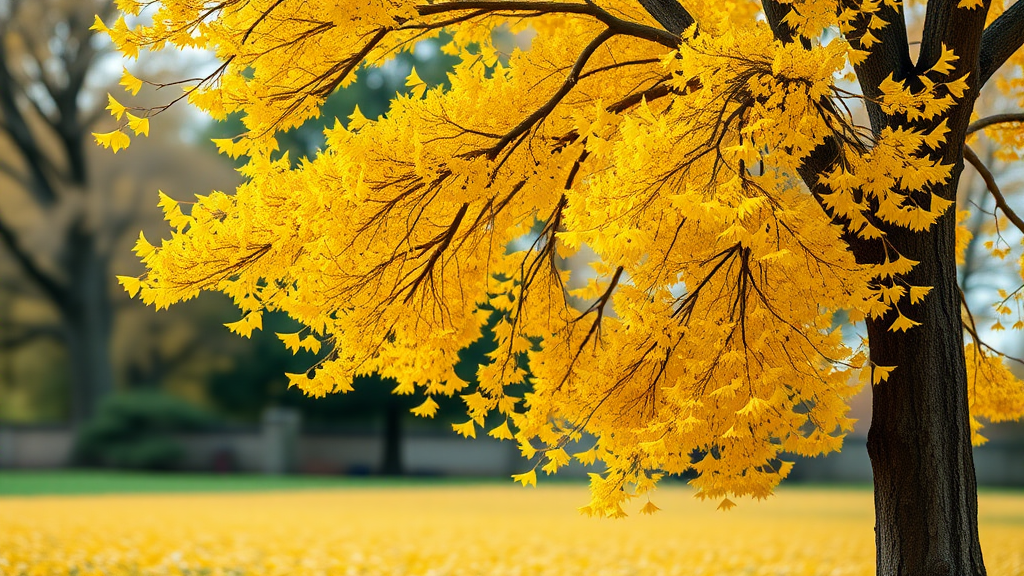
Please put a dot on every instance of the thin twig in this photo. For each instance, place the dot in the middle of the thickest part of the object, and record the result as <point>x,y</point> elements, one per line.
<point>993,187</point>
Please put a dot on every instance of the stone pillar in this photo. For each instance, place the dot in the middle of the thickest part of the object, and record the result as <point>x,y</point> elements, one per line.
<point>280,428</point>
<point>8,458</point>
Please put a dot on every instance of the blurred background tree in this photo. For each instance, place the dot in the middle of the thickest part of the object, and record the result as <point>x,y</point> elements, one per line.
<point>66,215</point>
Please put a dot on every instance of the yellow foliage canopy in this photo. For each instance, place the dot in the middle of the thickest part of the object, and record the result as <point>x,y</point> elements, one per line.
<point>710,328</point>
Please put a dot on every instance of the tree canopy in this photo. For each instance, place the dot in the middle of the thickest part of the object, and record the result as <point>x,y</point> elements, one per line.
<point>740,178</point>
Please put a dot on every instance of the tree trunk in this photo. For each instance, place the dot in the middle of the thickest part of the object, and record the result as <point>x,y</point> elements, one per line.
<point>393,412</point>
<point>926,508</point>
<point>87,315</point>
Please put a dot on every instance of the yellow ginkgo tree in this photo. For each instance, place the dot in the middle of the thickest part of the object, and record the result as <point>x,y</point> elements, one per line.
<point>744,171</point>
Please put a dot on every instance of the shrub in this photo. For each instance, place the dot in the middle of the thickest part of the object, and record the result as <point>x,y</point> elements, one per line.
<point>136,430</point>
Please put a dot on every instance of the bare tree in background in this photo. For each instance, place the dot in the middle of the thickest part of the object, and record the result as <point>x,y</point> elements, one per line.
<point>46,116</point>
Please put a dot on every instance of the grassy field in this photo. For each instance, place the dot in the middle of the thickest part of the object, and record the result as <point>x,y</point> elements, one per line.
<point>438,528</point>
<point>32,483</point>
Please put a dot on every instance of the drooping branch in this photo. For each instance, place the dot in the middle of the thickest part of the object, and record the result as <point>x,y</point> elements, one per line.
<point>540,113</point>
<point>594,332</point>
<point>1000,40</point>
<point>831,150</point>
<point>983,123</point>
<point>993,187</point>
<point>440,244</point>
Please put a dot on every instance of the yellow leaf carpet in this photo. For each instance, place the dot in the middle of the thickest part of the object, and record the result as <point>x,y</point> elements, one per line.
<point>442,530</point>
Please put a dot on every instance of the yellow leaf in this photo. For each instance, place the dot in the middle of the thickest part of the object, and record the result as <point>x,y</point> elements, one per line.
<point>245,326</point>
<point>131,284</point>
<point>526,478</point>
<point>587,457</point>
<point>527,450</point>
<point>902,323</point>
<point>876,23</point>
<point>958,86</point>
<point>880,374</point>
<point>166,203</point>
<point>115,140</point>
<point>291,341</point>
<point>224,145</point>
<point>132,7</point>
<point>488,55</point>
<point>501,432</point>
<point>550,467</point>
<point>356,120</point>
<point>142,247</point>
<point>970,4</point>
<point>310,343</point>
<point>649,508</point>
<point>754,406</point>
<point>937,136</point>
<point>868,40</point>
<point>296,380</point>
<point>417,85</point>
<point>557,458</point>
<point>726,505</point>
<point>115,107</point>
<point>98,25</point>
<point>917,293</point>
<point>130,83</point>
<point>467,429</point>
<point>138,125</point>
<point>947,57</point>
<point>427,409</point>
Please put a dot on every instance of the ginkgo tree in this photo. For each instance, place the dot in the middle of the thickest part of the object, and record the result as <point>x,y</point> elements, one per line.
<point>743,171</point>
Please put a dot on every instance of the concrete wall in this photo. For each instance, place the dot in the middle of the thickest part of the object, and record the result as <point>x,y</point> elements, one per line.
<point>34,447</point>
<point>999,462</point>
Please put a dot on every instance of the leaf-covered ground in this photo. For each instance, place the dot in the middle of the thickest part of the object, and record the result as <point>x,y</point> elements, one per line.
<point>439,530</point>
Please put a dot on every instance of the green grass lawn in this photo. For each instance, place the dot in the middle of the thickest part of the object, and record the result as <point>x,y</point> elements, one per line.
<point>69,482</point>
<point>32,483</point>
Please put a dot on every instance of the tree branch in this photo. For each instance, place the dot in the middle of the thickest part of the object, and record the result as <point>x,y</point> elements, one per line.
<point>566,87</point>
<point>825,155</point>
<point>1000,40</point>
<point>25,143</point>
<point>670,14</point>
<point>946,26</point>
<point>27,335</point>
<point>775,12</point>
<point>621,26</point>
<point>982,123</point>
<point>13,174</point>
<point>53,289</point>
<point>993,187</point>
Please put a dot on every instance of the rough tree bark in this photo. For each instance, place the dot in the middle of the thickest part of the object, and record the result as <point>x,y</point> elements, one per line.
<point>926,505</point>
